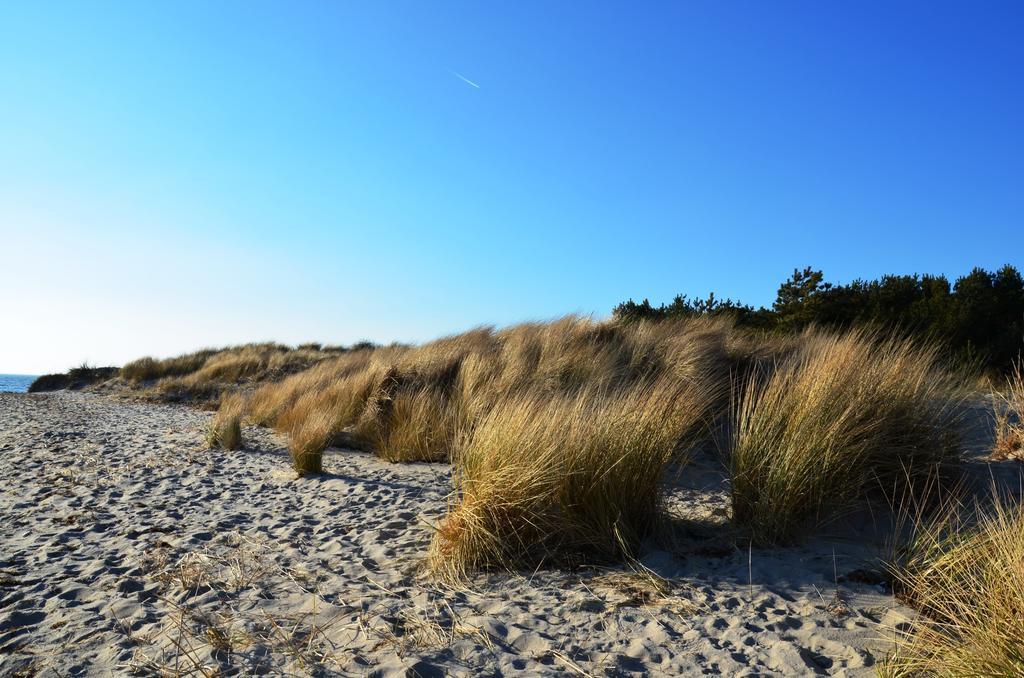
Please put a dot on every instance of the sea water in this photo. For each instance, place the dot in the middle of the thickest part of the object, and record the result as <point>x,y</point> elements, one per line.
<point>15,383</point>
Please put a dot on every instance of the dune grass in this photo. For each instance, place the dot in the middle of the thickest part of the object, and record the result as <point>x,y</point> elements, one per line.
<point>965,576</point>
<point>307,442</point>
<point>1009,415</point>
<point>413,403</point>
<point>225,430</point>
<point>327,384</point>
<point>819,420</point>
<point>546,476</point>
<point>204,376</point>
<point>151,369</point>
<point>415,426</point>
<point>76,378</point>
<point>841,416</point>
<point>559,431</point>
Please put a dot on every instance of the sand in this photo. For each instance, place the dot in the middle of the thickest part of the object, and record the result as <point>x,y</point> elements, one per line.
<point>126,546</point>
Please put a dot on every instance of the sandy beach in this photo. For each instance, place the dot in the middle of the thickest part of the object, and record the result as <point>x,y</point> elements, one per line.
<point>127,546</point>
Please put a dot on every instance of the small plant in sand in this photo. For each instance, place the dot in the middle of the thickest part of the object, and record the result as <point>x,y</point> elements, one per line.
<point>307,443</point>
<point>843,415</point>
<point>965,576</point>
<point>225,429</point>
<point>225,432</point>
<point>1009,413</point>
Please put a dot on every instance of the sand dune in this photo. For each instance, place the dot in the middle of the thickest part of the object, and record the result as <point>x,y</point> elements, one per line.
<point>127,546</point>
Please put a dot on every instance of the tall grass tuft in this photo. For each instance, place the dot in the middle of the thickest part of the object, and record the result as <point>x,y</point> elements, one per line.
<point>307,443</point>
<point>547,475</point>
<point>842,415</point>
<point>325,384</point>
<point>966,578</point>
<point>225,432</point>
<point>225,429</point>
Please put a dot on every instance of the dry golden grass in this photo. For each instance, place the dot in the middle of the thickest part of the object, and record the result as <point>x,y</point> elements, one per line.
<point>150,369</point>
<point>307,442</point>
<point>225,432</point>
<point>419,426</point>
<point>203,376</point>
<point>559,434</point>
<point>965,576</point>
<point>543,476</point>
<point>277,404</point>
<point>345,399</point>
<point>844,414</point>
<point>1009,413</point>
<point>409,404</point>
<point>225,429</point>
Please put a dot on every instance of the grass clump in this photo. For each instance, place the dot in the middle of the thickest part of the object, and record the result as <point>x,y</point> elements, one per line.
<point>307,443</point>
<point>965,576</point>
<point>546,476</point>
<point>845,413</point>
<point>326,384</point>
<point>225,433</point>
<point>225,429</point>
<point>1009,415</point>
<point>418,426</point>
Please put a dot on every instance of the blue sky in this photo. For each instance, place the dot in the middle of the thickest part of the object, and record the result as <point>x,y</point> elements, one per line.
<point>176,175</point>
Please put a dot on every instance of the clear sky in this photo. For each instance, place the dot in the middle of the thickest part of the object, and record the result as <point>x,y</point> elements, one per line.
<point>182,174</point>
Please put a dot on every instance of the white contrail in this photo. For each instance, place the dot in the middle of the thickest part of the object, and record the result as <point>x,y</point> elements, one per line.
<point>463,78</point>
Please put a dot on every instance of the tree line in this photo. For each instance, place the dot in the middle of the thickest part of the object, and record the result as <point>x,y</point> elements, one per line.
<point>979,317</point>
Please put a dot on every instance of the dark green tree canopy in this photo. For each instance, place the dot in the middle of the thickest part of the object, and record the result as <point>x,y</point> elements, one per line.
<point>979,317</point>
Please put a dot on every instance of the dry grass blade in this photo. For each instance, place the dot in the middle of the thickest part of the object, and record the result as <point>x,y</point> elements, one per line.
<point>965,576</point>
